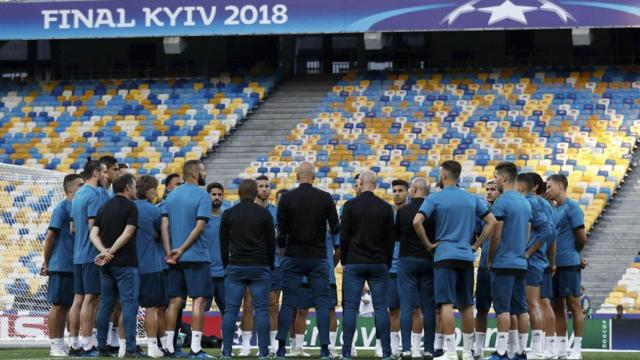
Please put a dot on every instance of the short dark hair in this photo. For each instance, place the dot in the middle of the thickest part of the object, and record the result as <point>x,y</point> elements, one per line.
<point>190,167</point>
<point>121,183</point>
<point>90,167</point>
<point>170,177</point>
<point>109,160</point>
<point>123,166</point>
<point>144,184</point>
<point>281,192</point>
<point>526,180</point>
<point>400,182</point>
<point>508,168</point>
<point>559,178</point>
<point>262,178</point>
<point>248,189</point>
<point>537,180</point>
<point>452,167</point>
<point>356,177</point>
<point>214,185</point>
<point>66,182</point>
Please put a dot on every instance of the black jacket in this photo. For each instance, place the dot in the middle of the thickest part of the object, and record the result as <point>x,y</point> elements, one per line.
<point>367,233</point>
<point>410,244</point>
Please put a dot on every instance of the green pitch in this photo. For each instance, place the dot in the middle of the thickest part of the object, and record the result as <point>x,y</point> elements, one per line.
<point>44,354</point>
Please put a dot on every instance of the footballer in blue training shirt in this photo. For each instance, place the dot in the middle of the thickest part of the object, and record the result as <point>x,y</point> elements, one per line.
<point>212,235</point>
<point>572,236</point>
<point>58,265</point>
<point>86,275</point>
<point>455,212</point>
<point>185,214</point>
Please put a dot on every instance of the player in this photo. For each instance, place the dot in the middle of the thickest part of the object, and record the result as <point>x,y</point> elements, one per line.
<point>542,234</point>
<point>415,273</point>
<point>571,238</point>
<point>58,265</point>
<point>247,240</point>
<point>507,260</point>
<point>185,214</point>
<point>113,234</point>
<point>455,212</point>
<point>400,191</point>
<point>153,294</point>
<point>483,285</point>
<point>367,242</point>
<point>212,236</point>
<point>303,214</point>
<point>171,182</point>
<point>86,276</point>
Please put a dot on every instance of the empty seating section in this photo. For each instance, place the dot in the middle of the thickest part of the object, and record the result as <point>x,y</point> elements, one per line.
<point>626,292</point>
<point>152,125</point>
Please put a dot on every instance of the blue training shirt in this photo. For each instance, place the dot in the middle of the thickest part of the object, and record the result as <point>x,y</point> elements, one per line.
<point>184,206</point>
<point>85,205</point>
<point>513,209</point>
<point>331,241</point>
<point>455,212</point>
<point>396,248</point>
<point>62,254</point>
<point>212,235</point>
<point>273,210</point>
<point>542,230</point>
<point>567,218</point>
<point>484,253</point>
<point>148,239</point>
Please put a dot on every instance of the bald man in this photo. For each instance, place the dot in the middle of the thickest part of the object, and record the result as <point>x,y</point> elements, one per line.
<point>367,241</point>
<point>303,214</point>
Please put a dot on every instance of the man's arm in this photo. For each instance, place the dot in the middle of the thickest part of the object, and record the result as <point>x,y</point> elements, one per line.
<point>495,241</point>
<point>581,238</point>
<point>345,235</point>
<point>271,240</point>
<point>283,225</point>
<point>49,241</point>
<point>164,233</point>
<point>104,257</point>
<point>334,221</point>
<point>123,239</point>
<point>390,236</point>
<point>487,230</point>
<point>552,256</point>
<point>422,234</point>
<point>224,239</point>
<point>175,254</point>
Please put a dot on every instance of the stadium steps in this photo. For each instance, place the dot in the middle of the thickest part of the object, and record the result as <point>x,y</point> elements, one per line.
<point>613,242</point>
<point>287,105</point>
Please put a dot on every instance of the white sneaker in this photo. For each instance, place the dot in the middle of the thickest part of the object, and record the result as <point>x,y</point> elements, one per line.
<point>447,356</point>
<point>536,356</point>
<point>354,352</point>
<point>574,356</point>
<point>416,354</point>
<point>58,353</point>
<point>378,352</point>
<point>466,355</point>
<point>245,352</point>
<point>550,356</point>
<point>562,355</point>
<point>155,354</point>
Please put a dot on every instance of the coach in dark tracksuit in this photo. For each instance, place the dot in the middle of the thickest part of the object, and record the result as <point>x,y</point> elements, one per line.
<point>367,240</point>
<point>415,270</point>
<point>303,214</point>
<point>248,244</point>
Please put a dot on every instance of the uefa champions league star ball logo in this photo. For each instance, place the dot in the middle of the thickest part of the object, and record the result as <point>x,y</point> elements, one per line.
<point>508,10</point>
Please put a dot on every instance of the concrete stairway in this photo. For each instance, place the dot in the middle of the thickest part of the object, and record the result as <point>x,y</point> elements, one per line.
<point>614,242</point>
<point>287,105</point>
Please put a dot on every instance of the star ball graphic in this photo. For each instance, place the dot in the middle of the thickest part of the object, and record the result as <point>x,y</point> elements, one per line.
<point>508,10</point>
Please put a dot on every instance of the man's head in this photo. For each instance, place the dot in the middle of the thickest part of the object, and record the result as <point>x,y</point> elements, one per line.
<point>492,191</point>
<point>524,183</point>
<point>305,173</point>
<point>367,181</point>
<point>113,170</point>
<point>279,194</point>
<point>400,190</point>
<point>539,186</point>
<point>171,182</point>
<point>248,189</point>
<point>95,172</point>
<point>125,185</point>
<point>505,173</point>
<point>71,183</point>
<point>450,173</point>
<point>556,186</point>
<point>147,188</point>
<point>194,172</point>
<point>620,310</point>
<point>355,184</point>
<point>216,191</point>
<point>420,188</point>
<point>264,187</point>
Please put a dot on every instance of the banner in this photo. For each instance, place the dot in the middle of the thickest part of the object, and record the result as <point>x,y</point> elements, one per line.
<point>119,18</point>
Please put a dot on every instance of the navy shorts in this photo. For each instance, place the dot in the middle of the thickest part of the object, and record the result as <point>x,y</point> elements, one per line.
<point>483,289</point>
<point>546,290</point>
<point>152,290</point>
<point>190,279</point>
<point>306,297</point>
<point>508,293</point>
<point>276,279</point>
<point>393,299</point>
<point>60,289</point>
<point>217,294</point>
<point>453,286</point>
<point>534,277</point>
<point>566,283</point>
<point>86,279</point>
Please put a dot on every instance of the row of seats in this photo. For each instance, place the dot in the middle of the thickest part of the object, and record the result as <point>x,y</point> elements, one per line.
<point>626,292</point>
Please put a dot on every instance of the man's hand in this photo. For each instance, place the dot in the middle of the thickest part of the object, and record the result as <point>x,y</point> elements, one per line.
<point>44,270</point>
<point>103,258</point>
<point>583,263</point>
<point>554,269</point>
<point>432,247</point>
<point>474,248</point>
<point>173,256</point>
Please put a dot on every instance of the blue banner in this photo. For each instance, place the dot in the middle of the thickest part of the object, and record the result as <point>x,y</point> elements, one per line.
<point>118,18</point>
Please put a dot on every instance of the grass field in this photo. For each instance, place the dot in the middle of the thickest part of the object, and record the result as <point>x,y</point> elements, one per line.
<point>44,354</point>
